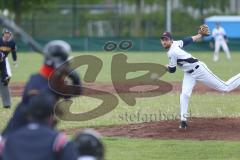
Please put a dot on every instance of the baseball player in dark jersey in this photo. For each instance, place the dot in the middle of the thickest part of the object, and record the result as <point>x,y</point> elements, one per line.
<point>38,139</point>
<point>57,53</point>
<point>7,45</point>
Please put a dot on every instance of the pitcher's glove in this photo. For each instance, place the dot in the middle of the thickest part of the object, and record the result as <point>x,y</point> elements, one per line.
<point>204,30</point>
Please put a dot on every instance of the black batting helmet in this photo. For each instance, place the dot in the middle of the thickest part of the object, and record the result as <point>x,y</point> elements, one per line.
<point>88,144</point>
<point>56,52</point>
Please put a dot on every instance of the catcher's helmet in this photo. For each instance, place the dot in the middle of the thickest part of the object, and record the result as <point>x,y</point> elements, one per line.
<point>88,144</point>
<point>56,53</point>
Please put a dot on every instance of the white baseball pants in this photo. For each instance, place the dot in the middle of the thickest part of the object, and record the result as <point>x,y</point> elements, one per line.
<point>204,75</point>
<point>218,45</point>
<point>4,90</point>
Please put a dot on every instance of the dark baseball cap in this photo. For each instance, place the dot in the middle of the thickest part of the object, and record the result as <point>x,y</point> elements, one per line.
<point>166,35</point>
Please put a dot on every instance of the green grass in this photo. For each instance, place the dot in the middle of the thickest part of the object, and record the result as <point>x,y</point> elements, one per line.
<point>142,149</point>
<point>5,114</point>
<point>158,108</point>
<point>164,107</point>
<point>149,109</point>
<point>30,62</point>
<point>216,105</point>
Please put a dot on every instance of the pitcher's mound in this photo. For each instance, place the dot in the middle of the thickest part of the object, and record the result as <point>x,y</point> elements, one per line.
<point>199,129</point>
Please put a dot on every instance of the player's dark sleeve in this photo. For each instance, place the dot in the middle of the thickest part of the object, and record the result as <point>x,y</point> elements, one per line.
<point>187,41</point>
<point>212,39</point>
<point>68,152</point>
<point>14,51</point>
<point>225,37</point>
<point>75,78</point>
<point>172,69</point>
<point>3,69</point>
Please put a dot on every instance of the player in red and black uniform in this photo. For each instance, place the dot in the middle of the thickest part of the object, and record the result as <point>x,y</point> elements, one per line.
<point>56,53</point>
<point>7,45</point>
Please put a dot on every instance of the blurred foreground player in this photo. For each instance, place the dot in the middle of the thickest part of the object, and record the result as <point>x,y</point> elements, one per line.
<point>89,145</point>
<point>56,53</point>
<point>38,140</point>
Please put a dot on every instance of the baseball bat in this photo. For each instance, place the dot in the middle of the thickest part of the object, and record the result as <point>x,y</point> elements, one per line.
<point>26,38</point>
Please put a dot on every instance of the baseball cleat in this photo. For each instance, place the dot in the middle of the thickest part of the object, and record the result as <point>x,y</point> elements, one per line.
<point>183,125</point>
<point>7,107</point>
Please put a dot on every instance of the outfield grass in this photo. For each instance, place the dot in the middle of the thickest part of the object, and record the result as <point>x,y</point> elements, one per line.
<point>30,62</point>
<point>201,105</point>
<point>142,149</point>
<point>158,108</point>
<point>164,107</point>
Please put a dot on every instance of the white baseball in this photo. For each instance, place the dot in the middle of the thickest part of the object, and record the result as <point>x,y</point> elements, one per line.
<point>154,76</point>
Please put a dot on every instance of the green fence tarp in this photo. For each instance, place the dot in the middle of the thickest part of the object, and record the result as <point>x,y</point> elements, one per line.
<point>139,44</point>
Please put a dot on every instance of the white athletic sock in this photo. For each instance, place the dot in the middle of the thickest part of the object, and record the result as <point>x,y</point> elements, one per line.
<point>215,56</point>
<point>184,99</point>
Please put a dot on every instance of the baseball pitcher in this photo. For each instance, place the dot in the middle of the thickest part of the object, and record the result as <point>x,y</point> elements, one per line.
<point>194,70</point>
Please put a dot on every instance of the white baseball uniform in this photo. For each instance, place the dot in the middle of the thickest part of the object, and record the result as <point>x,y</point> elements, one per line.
<point>9,72</point>
<point>218,35</point>
<point>4,90</point>
<point>195,71</point>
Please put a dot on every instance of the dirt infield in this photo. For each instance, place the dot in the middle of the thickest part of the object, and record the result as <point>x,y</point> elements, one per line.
<point>199,129</point>
<point>17,88</point>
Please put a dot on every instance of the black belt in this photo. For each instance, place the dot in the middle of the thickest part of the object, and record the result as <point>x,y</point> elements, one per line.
<point>188,60</point>
<point>192,70</point>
